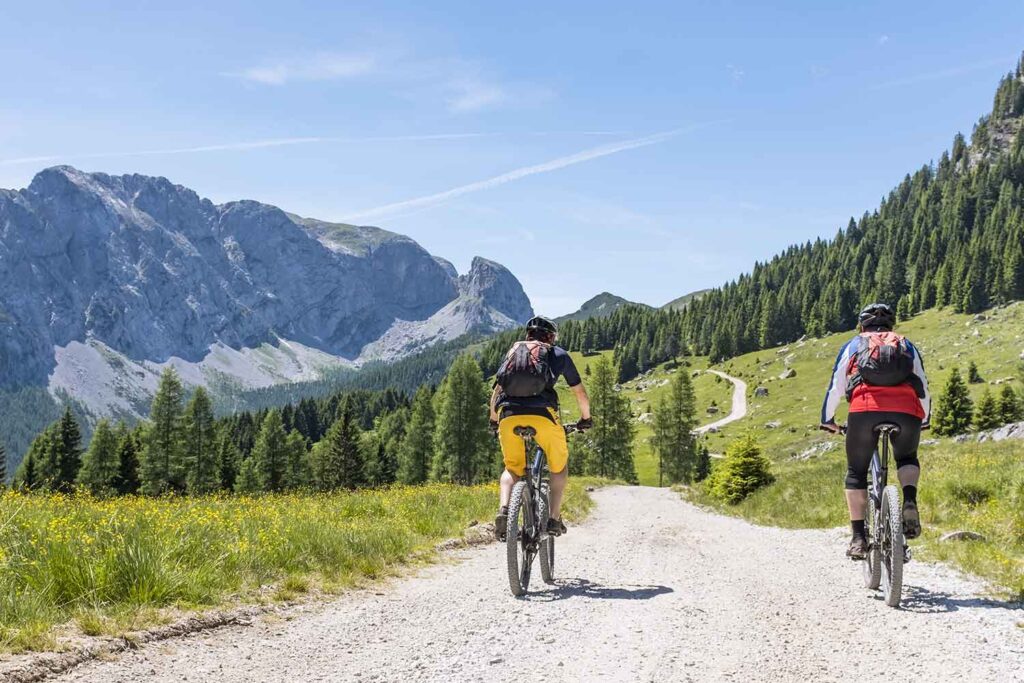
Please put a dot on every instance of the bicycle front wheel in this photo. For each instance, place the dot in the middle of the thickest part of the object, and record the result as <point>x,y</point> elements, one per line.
<point>892,546</point>
<point>519,539</point>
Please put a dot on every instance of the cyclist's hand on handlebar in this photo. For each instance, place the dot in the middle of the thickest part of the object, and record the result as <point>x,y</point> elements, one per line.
<point>583,425</point>
<point>832,427</point>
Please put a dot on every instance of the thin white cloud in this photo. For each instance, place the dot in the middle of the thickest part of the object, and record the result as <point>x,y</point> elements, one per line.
<point>883,39</point>
<point>942,74</point>
<point>473,95</point>
<point>735,72</point>
<point>460,85</point>
<point>517,174</point>
<point>323,66</point>
<point>274,142</point>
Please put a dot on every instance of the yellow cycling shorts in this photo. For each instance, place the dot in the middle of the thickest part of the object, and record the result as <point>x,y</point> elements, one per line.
<point>550,437</point>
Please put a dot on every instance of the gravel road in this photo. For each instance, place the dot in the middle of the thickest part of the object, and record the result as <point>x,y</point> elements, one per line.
<point>739,403</point>
<point>653,589</point>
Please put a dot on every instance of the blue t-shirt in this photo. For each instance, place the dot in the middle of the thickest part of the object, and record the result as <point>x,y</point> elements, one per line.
<point>561,365</point>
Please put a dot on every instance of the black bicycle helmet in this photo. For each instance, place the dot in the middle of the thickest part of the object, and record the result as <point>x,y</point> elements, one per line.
<point>542,325</point>
<point>877,315</point>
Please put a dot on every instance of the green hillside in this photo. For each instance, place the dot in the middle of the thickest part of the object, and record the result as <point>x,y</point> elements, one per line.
<point>978,487</point>
<point>601,306</point>
<point>994,340</point>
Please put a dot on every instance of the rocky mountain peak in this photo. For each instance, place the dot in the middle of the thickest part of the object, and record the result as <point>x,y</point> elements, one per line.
<point>496,286</point>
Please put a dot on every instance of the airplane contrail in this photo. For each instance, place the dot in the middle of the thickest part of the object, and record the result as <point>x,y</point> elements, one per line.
<point>516,174</point>
<point>274,142</point>
<point>240,146</point>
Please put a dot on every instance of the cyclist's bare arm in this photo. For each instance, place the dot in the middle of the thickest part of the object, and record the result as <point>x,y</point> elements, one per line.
<point>494,400</point>
<point>582,400</point>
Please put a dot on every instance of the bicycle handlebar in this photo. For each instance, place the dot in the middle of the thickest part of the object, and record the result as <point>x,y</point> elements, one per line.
<point>842,429</point>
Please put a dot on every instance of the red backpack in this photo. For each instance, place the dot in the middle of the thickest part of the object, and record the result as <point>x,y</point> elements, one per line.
<point>526,370</point>
<point>883,359</point>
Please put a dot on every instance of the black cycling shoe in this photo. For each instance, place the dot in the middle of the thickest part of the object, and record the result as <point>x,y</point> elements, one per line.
<point>911,520</point>
<point>556,527</point>
<point>858,549</point>
<point>501,524</point>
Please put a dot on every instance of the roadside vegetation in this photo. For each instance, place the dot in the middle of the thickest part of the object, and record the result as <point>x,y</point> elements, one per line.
<point>111,565</point>
<point>968,486</point>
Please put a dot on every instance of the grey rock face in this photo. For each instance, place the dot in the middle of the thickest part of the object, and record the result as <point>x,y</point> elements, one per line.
<point>152,271</point>
<point>493,283</point>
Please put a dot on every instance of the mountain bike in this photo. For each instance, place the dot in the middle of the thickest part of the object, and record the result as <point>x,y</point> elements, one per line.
<point>887,548</point>
<point>527,536</point>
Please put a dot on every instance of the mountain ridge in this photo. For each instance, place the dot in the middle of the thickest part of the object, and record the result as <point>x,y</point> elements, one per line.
<point>599,306</point>
<point>105,280</point>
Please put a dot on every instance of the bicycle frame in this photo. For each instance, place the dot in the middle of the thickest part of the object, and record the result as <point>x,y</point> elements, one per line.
<point>880,468</point>
<point>535,483</point>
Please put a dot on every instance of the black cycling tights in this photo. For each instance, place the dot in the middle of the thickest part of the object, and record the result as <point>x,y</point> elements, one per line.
<point>861,441</point>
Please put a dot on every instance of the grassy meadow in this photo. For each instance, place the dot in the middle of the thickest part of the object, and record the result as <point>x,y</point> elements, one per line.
<point>970,486</point>
<point>108,567</point>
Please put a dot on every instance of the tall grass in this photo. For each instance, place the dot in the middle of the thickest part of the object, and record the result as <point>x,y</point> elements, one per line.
<point>109,563</point>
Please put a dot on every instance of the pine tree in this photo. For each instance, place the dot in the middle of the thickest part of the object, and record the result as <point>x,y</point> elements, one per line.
<point>128,446</point>
<point>338,459</point>
<point>200,444</point>
<point>417,448</point>
<point>611,439</point>
<point>248,479</point>
<point>973,376</point>
<point>298,461</point>
<point>461,453</point>
<point>987,415</point>
<point>45,451</point>
<point>162,463</point>
<point>674,441</point>
<point>26,477</point>
<point>270,453</point>
<point>744,470</point>
<point>229,460</point>
<point>100,465</point>
<point>390,428</point>
<point>69,459</point>
<point>954,409</point>
<point>703,468</point>
<point>1011,407</point>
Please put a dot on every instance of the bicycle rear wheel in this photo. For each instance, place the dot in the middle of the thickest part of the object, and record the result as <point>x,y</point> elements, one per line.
<point>547,546</point>
<point>519,538</point>
<point>892,546</point>
<point>873,562</point>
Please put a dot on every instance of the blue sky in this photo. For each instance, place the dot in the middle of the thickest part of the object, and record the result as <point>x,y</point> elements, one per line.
<point>648,149</point>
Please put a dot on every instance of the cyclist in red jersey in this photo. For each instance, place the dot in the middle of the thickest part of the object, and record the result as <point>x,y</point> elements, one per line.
<point>906,404</point>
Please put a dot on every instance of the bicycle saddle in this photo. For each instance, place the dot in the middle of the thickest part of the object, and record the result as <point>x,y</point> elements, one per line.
<point>887,428</point>
<point>525,431</point>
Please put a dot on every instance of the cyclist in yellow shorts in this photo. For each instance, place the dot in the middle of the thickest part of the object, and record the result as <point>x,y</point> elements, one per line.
<point>524,396</point>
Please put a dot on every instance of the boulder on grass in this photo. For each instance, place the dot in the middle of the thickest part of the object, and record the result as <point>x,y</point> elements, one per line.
<point>761,392</point>
<point>788,374</point>
<point>962,535</point>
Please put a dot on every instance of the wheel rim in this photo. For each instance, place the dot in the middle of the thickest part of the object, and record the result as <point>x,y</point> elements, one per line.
<point>886,548</point>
